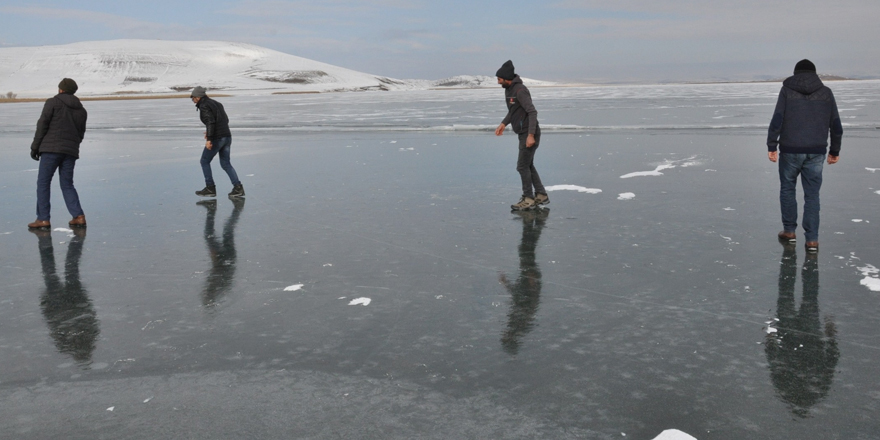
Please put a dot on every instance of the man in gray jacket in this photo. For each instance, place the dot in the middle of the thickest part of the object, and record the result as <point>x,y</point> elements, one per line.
<point>523,118</point>
<point>805,114</point>
<point>60,131</point>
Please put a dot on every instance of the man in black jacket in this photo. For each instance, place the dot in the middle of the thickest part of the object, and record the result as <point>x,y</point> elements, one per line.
<point>805,114</point>
<point>523,117</point>
<point>218,140</point>
<point>60,130</point>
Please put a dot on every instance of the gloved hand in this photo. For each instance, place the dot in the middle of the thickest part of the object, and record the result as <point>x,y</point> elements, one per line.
<point>35,155</point>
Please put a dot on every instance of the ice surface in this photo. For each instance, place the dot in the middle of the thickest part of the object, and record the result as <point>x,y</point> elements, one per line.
<point>585,320</point>
<point>871,278</point>
<point>293,288</point>
<point>655,172</point>
<point>573,188</point>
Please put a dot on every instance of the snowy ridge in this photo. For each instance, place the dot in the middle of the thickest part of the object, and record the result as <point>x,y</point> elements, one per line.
<point>121,67</point>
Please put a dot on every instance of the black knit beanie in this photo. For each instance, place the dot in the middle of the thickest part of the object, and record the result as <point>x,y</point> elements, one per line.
<point>506,71</point>
<point>68,85</point>
<point>199,92</point>
<point>804,66</point>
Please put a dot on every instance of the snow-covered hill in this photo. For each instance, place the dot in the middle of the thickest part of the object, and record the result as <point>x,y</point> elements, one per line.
<point>121,67</point>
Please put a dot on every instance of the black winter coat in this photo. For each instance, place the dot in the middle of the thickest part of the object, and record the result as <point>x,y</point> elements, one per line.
<point>806,114</point>
<point>214,117</point>
<point>61,127</point>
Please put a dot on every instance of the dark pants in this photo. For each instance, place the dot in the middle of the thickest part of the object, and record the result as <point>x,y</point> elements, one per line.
<point>809,167</point>
<point>223,147</point>
<point>525,165</point>
<point>49,162</point>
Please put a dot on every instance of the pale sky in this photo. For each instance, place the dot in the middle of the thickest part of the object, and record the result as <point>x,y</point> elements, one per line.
<point>559,40</point>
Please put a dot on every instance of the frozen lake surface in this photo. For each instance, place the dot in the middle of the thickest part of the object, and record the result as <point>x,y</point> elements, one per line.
<point>374,284</point>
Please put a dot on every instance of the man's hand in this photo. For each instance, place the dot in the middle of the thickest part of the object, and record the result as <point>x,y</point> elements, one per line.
<point>206,135</point>
<point>833,159</point>
<point>35,155</point>
<point>530,141</point>
<point>773,156</point>
<point>500,130</point>
<point>209,145</point>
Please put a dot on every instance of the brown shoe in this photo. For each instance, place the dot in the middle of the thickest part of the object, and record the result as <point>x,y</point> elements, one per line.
<point>79,220</point>
<point>39,224</point>
<point>787,236</point>
<point>812,247</point>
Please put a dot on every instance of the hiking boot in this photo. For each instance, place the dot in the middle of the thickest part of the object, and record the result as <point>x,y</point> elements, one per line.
<point>524,204</point>
<point>78,221</point>
<point>812,247</point>
<point>237,191</point>
<point>542,199</point>
<point>209,191</point>
<point>40,224</point>
<point>787,236</point>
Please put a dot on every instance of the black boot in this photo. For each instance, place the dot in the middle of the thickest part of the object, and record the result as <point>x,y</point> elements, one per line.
<point>237,191</point>
<point>209,191</point>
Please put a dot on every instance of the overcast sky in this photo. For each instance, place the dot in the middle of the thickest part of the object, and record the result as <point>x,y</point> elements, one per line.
<point>563,40</point>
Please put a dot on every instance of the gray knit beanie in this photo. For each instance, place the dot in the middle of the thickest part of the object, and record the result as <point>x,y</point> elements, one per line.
<point>199,92</point>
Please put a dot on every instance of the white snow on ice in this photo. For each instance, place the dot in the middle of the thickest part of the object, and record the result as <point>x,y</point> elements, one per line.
<point>293,288</point>
<point>871,280</point>
<point>626,196</point>
<point>674,434</point>
<point>62,230</point>
<point>360,301</point>
<point>656,171</point>
<point>857,220</point>
<point>729,209</point>
<point>573,188</point>
<point>872,169</point>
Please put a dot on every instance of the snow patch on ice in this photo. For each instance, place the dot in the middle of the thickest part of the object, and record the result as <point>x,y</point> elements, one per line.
<point>6,233</point>
<point>729,209</point>
<point>626,196</point>
<point>293,288</point>
<point>876,192</point>
<point>871,280</point>
<point>573,188</point>
<point>363,301</point>
<point>674,434</point>
<point>656,171</point>
<point>111,408</point>
<point>62,230</point>
<point>857,220</point>
<point>872,169</point>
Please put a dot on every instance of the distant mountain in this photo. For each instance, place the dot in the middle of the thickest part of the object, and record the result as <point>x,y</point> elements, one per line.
<point>121,67</point>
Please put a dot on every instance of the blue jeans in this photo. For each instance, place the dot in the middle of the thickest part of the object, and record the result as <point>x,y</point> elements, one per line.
<point>223,147</point>
<point>809,167</point>
<point>49,162</point>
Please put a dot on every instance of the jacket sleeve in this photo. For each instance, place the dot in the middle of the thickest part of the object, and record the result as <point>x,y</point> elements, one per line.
<point>776,123</point>
<point>525,100</point>
<point>209,117</point>
<point>836,129</point>
<point>43,124</point>
<point>506,120</point>
<point>81,125</point>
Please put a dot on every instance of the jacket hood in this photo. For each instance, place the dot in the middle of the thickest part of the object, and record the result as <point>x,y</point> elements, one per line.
<point>69,100</point>
<point>804,83</point>
<point>516,80</point>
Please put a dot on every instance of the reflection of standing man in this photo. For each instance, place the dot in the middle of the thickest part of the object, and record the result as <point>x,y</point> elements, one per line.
<point>805,114</point>
<point>60,131</point>
<point>222,252</point>
<point>523,118</point>
<point>525,292</point>
<point>218,140</point>
<point>66,306</point>
<point>801,356</point>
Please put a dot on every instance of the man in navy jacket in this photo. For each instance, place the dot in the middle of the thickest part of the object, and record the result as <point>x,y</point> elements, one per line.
<point>805,115</point>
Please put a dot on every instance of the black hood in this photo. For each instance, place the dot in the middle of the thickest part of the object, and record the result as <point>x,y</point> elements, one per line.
<point>69,100</point>
<point>804,83</point>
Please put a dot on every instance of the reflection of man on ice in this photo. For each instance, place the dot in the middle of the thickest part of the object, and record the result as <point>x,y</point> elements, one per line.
<point>525,292</point>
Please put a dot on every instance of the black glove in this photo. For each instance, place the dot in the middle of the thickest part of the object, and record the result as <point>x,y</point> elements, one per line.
<point>35,155</point>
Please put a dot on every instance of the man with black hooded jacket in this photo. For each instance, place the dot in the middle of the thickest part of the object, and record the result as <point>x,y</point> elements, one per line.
<point>523,118</point>
<point>805,114</point>
<point>60,130</point>
<point>218,140</point>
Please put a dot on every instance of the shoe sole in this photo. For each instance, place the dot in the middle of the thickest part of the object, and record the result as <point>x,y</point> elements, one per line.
<point>206,195</point>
